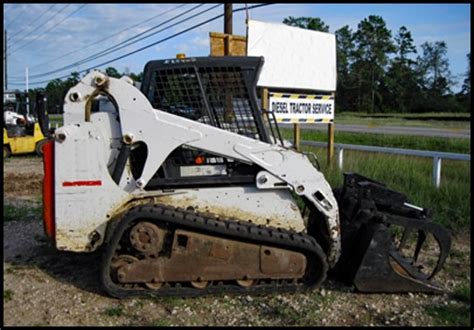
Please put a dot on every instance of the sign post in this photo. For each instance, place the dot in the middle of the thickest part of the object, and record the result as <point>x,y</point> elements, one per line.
<point>330,142</point>
<point>296,136</point>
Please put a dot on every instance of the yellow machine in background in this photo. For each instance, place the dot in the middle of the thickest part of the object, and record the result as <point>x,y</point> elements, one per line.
<point>27,141</point>
<point>22,133</point>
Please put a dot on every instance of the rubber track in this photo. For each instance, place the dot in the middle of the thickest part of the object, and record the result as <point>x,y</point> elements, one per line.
<point>231,229</point>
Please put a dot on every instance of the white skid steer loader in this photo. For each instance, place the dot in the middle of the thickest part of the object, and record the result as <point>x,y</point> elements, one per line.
<point>188,188</point>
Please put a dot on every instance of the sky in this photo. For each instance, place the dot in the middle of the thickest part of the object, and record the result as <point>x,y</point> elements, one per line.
<point>47,37</point>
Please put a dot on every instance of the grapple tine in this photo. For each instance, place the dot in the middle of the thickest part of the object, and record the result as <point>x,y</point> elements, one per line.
<point>406,234</point>
<point>370,258</point>
<point>419,243</point>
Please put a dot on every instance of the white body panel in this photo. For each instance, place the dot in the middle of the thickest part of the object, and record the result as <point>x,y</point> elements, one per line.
<point>162,133</point>
<point>273,208</point>
<point>82,209</point>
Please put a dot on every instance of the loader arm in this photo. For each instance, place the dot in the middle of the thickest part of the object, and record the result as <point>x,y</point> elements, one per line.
<point>140,122</point>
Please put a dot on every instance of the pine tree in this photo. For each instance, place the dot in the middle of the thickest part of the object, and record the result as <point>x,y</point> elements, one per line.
<point>373,44</point>
<point>310,23</point>
<point>346,85</point>
<point>401,79</point>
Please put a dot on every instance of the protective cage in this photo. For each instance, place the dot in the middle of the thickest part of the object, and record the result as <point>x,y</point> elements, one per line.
<point>216,91</point>
<point>220,92</point>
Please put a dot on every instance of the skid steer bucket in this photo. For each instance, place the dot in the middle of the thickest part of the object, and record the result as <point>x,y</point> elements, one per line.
<point>378,226</point>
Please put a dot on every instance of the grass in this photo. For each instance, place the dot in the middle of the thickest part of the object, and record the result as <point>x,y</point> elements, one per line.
<point>406,174</point>
<point>7,295</point>
<point>115,311</point>
<point>411,176</point>
<point>439,120</point>
<point>455,145</point>
<point>457,314</point>
<point>11,212</point>
<point>450,315</point>
<point>463,294</point>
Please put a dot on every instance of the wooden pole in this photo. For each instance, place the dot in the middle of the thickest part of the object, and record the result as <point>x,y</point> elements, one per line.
<point>265,103</point>
<point>330,142</point>
<point>228,18</point>
<point>331,135</point>
<point>228,113</point>
<point>296,136</point>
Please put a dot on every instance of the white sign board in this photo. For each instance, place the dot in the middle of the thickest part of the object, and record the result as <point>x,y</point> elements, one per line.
<point>9,97</point>
<point>301,108</point>
<point>295,58</point>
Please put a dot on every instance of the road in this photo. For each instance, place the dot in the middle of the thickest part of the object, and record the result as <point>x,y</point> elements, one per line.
<point>399,130</point>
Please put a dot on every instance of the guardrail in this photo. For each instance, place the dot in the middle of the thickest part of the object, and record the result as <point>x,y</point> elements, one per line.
<point>55,126</point>
<point>436,155</point>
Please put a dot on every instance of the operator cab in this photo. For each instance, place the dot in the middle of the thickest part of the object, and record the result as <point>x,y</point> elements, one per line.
<point>217,91</point>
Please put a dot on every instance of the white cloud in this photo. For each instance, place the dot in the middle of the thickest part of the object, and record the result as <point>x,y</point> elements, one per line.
<point>200,41</point>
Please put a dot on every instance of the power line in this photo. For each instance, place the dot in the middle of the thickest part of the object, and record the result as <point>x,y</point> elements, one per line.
<point>88,59</point>
<point>151,45</point>
<point>14,19</point>
<point>108,37</point>
<point>111,49</point>
<point>41,25</point>
<point>29,25</point>
<point>81,61</point>
<point>125,44</point>
<point>65,18</point>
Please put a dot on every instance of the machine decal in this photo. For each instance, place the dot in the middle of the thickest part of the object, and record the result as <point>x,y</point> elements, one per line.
<point>82,183</point>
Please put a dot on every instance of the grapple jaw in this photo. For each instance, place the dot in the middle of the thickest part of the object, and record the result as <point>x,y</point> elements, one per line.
<point>372,256</point>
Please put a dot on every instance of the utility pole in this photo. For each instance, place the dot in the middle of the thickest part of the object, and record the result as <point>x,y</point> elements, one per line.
<point>228,18</point>
<point>27,97</point>
<point>5,45</point>
<point>228,113</point>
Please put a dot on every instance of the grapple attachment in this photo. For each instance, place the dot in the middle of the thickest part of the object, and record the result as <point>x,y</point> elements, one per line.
<point>378,226</point>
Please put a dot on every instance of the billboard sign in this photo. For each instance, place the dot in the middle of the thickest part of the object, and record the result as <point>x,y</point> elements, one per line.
<point>295,58</point>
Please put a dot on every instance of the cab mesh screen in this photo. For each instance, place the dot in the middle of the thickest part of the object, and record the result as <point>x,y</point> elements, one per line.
<point>216,96</point>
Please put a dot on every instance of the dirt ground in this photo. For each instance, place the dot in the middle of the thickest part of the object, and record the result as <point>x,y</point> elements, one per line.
<point>43,286</point>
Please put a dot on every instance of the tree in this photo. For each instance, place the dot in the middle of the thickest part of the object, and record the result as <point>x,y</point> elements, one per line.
<point>136,77</point>
<point>436,80</point>
<point>112,72</point>
<point>54,91</point>
<point>345,48</point>
<point>345,81</point>
<point>404,46</point>
<point>310,23</point>
<point>466,87</point>
<point>464,96</point>
<point>401,78</point>
<point>373,44</point>
<point>72,80</point>
<point>434,66</point>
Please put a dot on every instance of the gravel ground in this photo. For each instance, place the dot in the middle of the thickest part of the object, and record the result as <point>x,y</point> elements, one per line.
<point>43,286</point>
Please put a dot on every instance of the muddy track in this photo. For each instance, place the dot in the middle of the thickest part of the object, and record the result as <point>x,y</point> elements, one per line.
<point>43,286</point>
